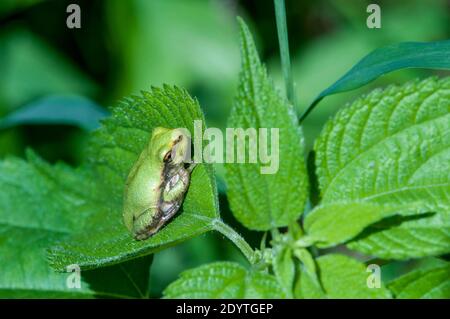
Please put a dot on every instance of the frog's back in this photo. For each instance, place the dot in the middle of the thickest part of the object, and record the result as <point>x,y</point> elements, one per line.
<point>143,188</point>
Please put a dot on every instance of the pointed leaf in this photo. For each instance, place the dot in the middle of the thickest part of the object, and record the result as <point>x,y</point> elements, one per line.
<point>342,277</point>
<point>430,55</point>
<point>261,201</point>
<point>308,265</point>
<point>284,268</point>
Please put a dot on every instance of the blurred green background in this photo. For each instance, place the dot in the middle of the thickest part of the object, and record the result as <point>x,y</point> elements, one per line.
<point>127,46</point>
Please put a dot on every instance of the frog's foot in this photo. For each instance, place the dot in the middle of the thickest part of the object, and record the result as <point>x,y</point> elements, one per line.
<point>147,224</point>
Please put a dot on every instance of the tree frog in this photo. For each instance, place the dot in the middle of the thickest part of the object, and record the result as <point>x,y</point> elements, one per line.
<point>157,183</point>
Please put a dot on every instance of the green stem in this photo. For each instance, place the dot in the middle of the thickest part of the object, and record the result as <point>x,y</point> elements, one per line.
<point>237,239</point>
<point>280,15</point>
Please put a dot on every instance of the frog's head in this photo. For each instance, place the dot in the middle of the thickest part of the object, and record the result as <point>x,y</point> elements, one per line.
<point>170,145</point>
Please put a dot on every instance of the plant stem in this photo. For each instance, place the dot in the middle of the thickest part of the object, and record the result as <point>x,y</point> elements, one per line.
<point>280,16</point>
<point>237,239</point>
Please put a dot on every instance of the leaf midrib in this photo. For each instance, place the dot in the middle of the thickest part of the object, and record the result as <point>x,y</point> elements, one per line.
<point>406,188</point>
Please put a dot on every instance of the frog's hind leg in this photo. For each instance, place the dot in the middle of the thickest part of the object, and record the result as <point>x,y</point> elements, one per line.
<point>147,223</point>
<point>166,211</point>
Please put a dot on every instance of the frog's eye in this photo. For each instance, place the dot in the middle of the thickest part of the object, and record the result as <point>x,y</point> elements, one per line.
<point>168,156</point>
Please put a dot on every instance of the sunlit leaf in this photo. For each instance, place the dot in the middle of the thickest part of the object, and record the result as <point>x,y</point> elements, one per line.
<point>392,147</point>
<point>259,200</point>
<point>224,280</point>
<point>342,277</point>
<point>336,223</point>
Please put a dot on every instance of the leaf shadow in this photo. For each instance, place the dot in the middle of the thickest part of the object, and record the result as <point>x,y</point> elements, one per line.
<point>389,223</point>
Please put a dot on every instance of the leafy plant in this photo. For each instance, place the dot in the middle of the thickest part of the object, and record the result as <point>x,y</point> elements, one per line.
<point>381,165</point>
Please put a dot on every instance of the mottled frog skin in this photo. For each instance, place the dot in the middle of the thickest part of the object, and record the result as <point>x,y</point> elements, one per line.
<point>157,183</point>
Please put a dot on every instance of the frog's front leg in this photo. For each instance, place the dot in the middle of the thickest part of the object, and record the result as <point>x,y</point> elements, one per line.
<point>174,192</point>
<point>176,186</point>
<point>191,167</point>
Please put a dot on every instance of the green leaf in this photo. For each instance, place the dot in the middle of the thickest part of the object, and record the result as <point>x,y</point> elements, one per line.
<point>284,268</point>
<point>336,223</point>
<point>341,277</point>
<point>113,150</point>
<point>39,205</point>
<point>265,201</point>
<point>429,282</point>
<point>392,147</point>
<point>430,55</point>
<point>224,280</point>
<point>58,109</point>
<point>308,264</point>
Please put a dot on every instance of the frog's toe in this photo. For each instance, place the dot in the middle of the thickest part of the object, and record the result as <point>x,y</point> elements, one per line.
<point>145,225</point>
<point>144,235</point>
